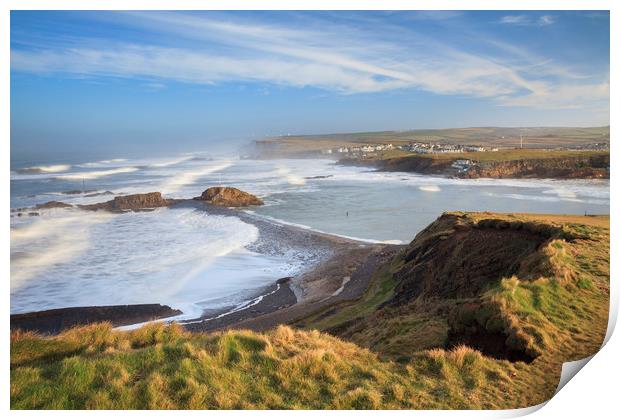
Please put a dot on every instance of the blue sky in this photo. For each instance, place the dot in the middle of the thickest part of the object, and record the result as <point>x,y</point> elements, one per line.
<point>114,82</point>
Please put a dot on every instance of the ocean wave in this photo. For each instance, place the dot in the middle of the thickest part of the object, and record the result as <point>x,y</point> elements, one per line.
<point>429,188</point>
<point>77,176</point>
<point>292,178</point>
<point>159,256</point>
<point>171,162</point>
<point>43,169</point>
<point>179,180</point>
<point>50,241</point>
<point>102,163</point>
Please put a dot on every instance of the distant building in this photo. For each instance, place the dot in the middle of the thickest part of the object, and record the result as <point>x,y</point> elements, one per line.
<point>462,165</point>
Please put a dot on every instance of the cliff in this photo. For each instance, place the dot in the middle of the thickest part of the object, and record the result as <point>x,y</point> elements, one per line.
<point>541,164</point>
<point>579,167</point>
<point>510,286</point>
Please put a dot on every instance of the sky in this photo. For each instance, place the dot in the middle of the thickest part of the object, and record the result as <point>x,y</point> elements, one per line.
<point>111,83</point>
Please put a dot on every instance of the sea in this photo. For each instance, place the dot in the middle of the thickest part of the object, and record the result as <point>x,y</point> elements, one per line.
<point>200,262</point>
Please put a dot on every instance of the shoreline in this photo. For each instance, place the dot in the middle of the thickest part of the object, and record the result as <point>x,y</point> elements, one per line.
<point>326,260</point>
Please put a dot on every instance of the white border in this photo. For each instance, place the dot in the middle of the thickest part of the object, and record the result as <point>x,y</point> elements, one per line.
<point>593,393</point>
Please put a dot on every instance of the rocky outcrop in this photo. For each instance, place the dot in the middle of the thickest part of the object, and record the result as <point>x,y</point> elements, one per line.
<point>578,167</point>
<point>456,257</point>
<point>572,168</point>
<point>133,202</point>
<point>54,321</point>
<point>229,197</point>
<point>52,205</point>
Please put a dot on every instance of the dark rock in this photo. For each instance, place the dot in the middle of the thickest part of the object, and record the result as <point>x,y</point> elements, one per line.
<point>284,280</point>
<point>76,192</point>
<point>52,205</point>
<point>229,197</point>
<point>55,320</point>
<point>98,194</point>
<point>131,202</point>
<point>318,177</point>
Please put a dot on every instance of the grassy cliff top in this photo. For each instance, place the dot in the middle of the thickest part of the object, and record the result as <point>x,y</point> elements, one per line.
<point>553,307</point>
<point>502,155</point>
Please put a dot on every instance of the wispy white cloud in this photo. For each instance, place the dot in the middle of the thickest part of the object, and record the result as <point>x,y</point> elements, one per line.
<point>340,58</point>
<point>545,20</point>
<point>515,19</point>
<point>528,20</point>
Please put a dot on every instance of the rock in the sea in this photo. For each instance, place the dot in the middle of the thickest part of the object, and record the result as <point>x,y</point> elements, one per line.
<point>229,197</point>
<point>99,193</point>
<point>132,202</point>
<point>52,205</point>
<point>54,321</point>
<point>139,201</point>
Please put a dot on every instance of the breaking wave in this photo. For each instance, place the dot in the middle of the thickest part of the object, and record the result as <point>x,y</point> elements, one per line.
<point>43,169</point>
<point>78,258</point>
<point>96,174</point>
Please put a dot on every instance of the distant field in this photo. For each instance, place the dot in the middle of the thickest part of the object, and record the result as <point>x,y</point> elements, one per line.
<point>533,137</point>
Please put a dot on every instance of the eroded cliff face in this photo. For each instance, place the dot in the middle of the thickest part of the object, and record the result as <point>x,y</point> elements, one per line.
<point>542,168</point>
<point>458,258</point>
<point>560,168</point>
<point>421,164</point>
<point>493,282</point>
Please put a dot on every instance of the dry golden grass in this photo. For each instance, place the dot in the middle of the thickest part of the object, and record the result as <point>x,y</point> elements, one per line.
<point>159,367</point>
<point>556,308</point>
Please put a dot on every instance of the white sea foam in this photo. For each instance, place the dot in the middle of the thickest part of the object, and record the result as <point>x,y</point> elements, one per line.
<point>430,188</point>
<point>102,163</point>
<point>291,177</point>
<point>96,174</point>
<point>50,241</point>
<point>175,182</point>
<point>113,160</point>
<point>164,256</point>
<point>44,169</point>
<point>164,164</point>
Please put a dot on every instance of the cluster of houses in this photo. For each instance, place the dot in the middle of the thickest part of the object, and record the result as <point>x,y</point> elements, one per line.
<point>356,150</point>
<point>371,149</point>
<point>443,148</point>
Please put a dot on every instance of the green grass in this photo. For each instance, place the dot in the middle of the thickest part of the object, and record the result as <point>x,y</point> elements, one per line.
<point>555,307</point>
<point>502,155</point>
<point>160,367</point>
<point>381,289</point>
<point>503,137</point>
